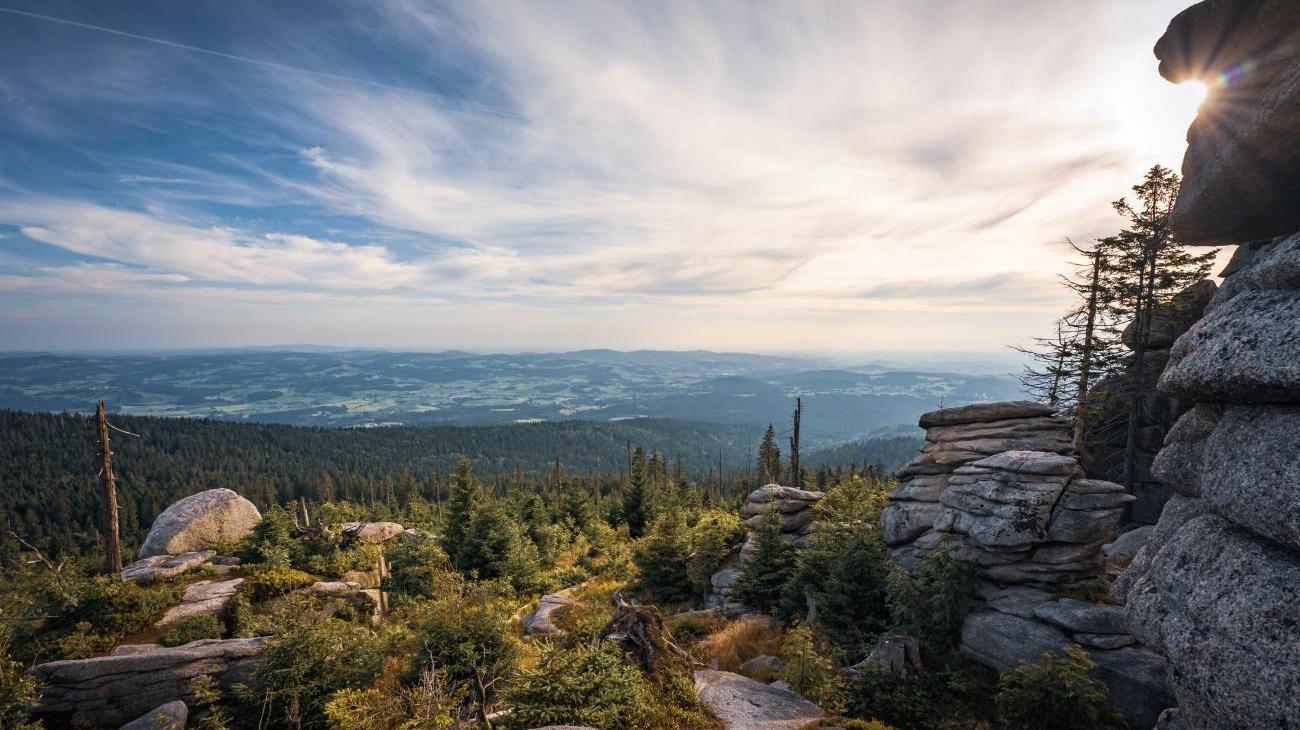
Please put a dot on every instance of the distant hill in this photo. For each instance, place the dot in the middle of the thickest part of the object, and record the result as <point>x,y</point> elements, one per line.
<point>327,387</point>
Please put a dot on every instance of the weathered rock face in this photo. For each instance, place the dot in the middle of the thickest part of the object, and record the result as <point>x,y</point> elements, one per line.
<point>199,522</point>
<point>148,570</point>
<point>1216,588</point>
<point>110,690</point>
<point>957,437</point>
<point>1029,521</point>
<point>1028,517</point>
<point>1241,174</point>
<point>1135,678</point>
<point>205,596</point>
<point>743,704</point>
<point>793,507</point>
<point>539,622</point>
<point>1106,435</point>
<point>373,532</point>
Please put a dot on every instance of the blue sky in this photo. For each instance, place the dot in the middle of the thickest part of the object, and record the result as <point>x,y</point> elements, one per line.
<point>868,175</point>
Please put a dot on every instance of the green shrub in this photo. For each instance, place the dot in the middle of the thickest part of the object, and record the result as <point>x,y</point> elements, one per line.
<point>808,671</point>
<point>420,571</point>
<point>263,582</point>
<point>426,704</point>
<point>202,626</point>
<point>579,685</point>
<point>495,547</point>
<point>663,558</point>
<point>609,554</point>
<point>91,616</point>
<point>932,604</point>
<point>471,637</point>
<point>270,542</point>
<point>844,570</point>
<point>951,696</point>
<point>712,538</point>
<point>768,569</point>
<point>207,704</point>
<point>308,660</point>
<point>19,691</point>
<point>1057,692</point>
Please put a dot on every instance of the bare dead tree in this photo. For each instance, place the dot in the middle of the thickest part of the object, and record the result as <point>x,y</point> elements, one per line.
<point>108,491</point>
<point>796,479</point>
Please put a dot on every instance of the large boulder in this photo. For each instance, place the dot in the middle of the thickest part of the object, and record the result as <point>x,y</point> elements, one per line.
<point>740,703</point>
<point>373,533</point>
<point>1241,173</point>
<point>199,522</point>
<point>111,690</point>
<point>1245,351</point>
<point>1223,605</point>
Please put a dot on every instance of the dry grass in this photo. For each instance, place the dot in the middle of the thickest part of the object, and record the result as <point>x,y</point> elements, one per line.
<point>740,641</point>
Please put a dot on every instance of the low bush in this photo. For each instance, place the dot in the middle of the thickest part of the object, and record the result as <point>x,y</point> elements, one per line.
<point>194,628</point>
<point>429,703</point>
<point>584,684</point>
<point>1057,692</point>
<point>92,615</point>
<point>932,604</point>
<point>810,672</point>
<point>19,691</point>
<point>662,557</point>
<point>308,660</point>
<point>264,582</point>
<point>472,638</point>
<point>950,697</point>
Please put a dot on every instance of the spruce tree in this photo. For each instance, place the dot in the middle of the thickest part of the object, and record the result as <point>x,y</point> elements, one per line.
<point>769,458</point>
<point>461,507</point>
<point>636,501</point>
<point>768,568</point>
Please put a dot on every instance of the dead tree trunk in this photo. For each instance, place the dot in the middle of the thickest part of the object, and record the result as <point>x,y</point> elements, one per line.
<point>108,490</point>
<point>795,477</point>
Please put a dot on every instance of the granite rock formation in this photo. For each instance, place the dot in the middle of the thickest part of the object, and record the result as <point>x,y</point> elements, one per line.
<point>740,703</point>
<point>108,691</point>
<point>957,437</point>
<point>199,522</point>
<point>793,507</point>
<point>999,488</point>
<point>1216,588</point>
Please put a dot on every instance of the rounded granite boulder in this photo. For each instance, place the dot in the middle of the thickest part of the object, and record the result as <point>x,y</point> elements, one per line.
<point>199,522</point>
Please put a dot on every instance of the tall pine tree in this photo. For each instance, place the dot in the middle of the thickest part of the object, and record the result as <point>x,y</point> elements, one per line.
<point>462,505</point>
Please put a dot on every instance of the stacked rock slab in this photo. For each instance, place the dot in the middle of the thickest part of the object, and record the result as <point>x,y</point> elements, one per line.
<point>1030,518</point>
<point>110,690</point>
<point>793,507</point>
<point>1217,586</point>
<point>957,437</point>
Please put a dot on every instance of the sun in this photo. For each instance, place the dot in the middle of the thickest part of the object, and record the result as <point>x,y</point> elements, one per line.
<point>1194,90</point>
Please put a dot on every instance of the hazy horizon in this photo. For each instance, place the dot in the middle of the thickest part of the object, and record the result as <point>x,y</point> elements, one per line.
<point>523,176</point>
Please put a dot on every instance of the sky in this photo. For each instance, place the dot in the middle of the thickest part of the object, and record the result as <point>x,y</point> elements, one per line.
<point>875,175</point>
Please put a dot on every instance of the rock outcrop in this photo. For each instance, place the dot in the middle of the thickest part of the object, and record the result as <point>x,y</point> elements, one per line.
<point>148,570</point>
<point>999,488</point>
<point>740,703</point>
<point>957,437</point>
<point>1216,588</point>
<point>793,507</point>
<point>538,621</point>
<point>200,522</point>
<point>110,690</point>
<point>373,532</point>
<point>202,597</point>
